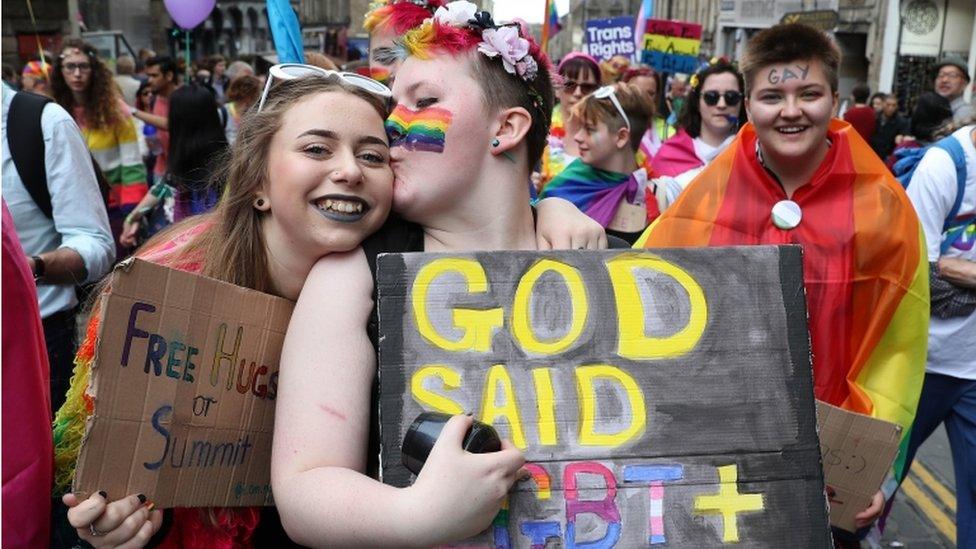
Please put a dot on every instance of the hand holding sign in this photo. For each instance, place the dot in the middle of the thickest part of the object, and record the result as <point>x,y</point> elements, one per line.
<point>454,479</point>
<point>128,522</point>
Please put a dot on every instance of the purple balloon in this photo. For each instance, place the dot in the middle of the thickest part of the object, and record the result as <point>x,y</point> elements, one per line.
<point>189,13</point>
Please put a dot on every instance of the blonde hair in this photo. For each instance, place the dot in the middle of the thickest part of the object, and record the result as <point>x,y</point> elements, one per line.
<point>635,102</point>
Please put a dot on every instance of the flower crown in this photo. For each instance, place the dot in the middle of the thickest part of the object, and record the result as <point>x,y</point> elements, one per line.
<point>504,41</point>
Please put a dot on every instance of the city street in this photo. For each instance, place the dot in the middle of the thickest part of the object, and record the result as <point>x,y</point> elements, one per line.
<point>925,509</point>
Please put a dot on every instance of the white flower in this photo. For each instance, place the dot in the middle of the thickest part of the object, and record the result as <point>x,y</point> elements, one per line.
<point>456,14</point>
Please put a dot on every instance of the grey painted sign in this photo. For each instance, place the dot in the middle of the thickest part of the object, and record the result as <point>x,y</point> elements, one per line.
<point>661,397</point>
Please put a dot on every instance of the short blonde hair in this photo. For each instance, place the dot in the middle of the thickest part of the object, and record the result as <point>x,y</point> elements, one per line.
<point>635,102</point>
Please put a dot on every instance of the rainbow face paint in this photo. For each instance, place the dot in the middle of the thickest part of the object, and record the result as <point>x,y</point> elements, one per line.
<point>422,130</point>
<point>380,74</point>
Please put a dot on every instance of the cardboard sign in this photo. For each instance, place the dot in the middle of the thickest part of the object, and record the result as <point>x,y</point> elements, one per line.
<point>659,396</point>
<point>671,46</point>
<point>608,37</point>
<point>857,452</point>
<point>184,382</point>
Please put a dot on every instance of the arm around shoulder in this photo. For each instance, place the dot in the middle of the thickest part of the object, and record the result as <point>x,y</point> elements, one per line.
<point>322,429</point>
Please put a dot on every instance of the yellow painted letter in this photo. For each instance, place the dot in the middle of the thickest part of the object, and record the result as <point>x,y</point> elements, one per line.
<point>476,326</point>
<point>631,313</point>
<point>587,397</point>
<point>490,410</point>
<point>433,401</point>
<point>546,402</point>
<point>521,312</point>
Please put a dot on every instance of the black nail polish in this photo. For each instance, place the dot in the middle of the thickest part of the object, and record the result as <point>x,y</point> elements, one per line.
<point>142,498</point>
<point>103,493</point>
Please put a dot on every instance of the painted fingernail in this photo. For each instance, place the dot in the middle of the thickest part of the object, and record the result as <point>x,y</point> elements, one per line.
<point>150,507</point>
<point>469,414</point>
<point>103,493</point>
<point>142,498</point>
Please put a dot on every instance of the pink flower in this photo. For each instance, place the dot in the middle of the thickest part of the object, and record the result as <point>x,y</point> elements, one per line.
<point>506,42</point>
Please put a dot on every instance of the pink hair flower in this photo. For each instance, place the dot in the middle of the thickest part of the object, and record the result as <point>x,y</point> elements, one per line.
<point>505,42</point>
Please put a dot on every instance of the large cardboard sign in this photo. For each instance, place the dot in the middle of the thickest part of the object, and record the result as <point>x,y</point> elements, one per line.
<point>857,453</point>
<point>660,397</point>
<point>184,382</point>
<point>606,38</point>
<point>672,46</point>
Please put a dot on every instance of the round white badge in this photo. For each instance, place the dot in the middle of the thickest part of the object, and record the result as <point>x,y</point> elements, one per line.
<point>786,214</point>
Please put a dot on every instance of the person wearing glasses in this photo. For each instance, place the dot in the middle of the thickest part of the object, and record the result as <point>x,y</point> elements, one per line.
<point>951,79</point>
<point>606,182</point>
<point>712,113</point>
<point>579,75</point>
<point>460,189</point>
<point>795,175</point>
<point>84,86</point>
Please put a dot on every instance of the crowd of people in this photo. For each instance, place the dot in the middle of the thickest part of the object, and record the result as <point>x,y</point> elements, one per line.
<point>292,182</point>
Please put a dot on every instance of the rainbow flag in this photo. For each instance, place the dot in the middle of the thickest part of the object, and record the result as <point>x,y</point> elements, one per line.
<point>596,192</point>
<point>864,261</point>
<point>550,24</point>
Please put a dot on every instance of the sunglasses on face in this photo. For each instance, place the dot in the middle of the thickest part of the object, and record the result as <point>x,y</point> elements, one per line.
<point>291,71</point>
<point>732,97</point>
<point>569,86</point>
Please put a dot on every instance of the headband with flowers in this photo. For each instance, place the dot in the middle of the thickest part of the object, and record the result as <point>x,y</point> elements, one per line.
<point>497,41</point>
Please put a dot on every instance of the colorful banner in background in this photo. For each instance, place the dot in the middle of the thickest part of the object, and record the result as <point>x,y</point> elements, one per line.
<point>608,37</point>
<point>550,24</point>
<point>671,46</point>
<point>640,25</point>
<point>286,31</point>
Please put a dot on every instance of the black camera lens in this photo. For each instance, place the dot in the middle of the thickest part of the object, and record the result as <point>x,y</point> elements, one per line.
<point>424,431</point>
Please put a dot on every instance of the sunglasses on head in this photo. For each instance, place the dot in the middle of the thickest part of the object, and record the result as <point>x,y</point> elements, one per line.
<point>291,71</point>
<point>732,97</point>
<point>609,92</point>
<point>569,86</point>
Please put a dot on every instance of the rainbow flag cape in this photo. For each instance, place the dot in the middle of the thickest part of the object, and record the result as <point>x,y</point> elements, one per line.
<point>596,192</point>
<point>864,261</point>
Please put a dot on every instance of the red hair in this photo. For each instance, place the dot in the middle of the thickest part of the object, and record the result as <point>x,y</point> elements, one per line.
<point>399,16</point>
<point>501,89</point>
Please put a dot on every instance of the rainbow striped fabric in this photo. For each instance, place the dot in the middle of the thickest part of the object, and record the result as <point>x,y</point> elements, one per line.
<point>596,192</point>
<point>551,24</point>
<point>422,130</point>
<point>116,149</point>
<point>864,261</point>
